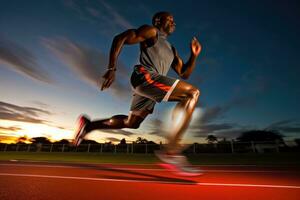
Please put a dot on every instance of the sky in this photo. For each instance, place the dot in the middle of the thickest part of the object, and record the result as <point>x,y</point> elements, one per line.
<point>53,54</point>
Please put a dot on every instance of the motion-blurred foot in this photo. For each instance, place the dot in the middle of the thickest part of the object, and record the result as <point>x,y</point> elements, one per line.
<point>81,129</point>
<point>178,164</point>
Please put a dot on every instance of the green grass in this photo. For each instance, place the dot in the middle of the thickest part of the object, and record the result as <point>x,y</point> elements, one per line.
<point>205,159</point>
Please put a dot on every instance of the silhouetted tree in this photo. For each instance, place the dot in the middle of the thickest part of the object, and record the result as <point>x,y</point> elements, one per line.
<point>123,142</point>
<point>151,142</point>
<point>41,140</point>
<point>89,142</point>
<point>140,140</point>
<point>297,141</point>
<point>63,141</point>
<point>223,141</point>
<point>260,135</point>
<point>22,139</point>
<point>211,139</point>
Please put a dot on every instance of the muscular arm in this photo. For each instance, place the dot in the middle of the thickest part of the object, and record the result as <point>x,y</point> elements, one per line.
<point>131,36</point>
<point>184,70</point>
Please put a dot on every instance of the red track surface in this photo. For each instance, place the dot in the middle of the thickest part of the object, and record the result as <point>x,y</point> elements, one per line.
<point>20,180</point>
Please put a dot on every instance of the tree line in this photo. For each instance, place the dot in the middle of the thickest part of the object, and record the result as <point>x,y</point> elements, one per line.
<point>248,136</point>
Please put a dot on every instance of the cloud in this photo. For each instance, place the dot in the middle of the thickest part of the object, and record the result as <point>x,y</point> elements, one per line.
<point>13,129</point>
<point>212,128</point>
<point>157,127</point>
<point>100,13</point>
<point>89,64</point>
<point>285,126</point>
<point>112,139</point>
<point>218,129</point>
<point>116,17</point>
<point>212,113</point>
<point>221,130</point>
<point>19,113</point>
<point>232,133</point>
<point>6,138</point>
<point>207,122</point>
<point>41,104</point>
<point>19,59</point>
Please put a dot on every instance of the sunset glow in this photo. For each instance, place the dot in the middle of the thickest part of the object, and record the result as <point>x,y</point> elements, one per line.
<point>31,130</point>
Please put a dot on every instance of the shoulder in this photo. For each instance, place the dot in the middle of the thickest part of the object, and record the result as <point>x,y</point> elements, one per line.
<point>147,29</point>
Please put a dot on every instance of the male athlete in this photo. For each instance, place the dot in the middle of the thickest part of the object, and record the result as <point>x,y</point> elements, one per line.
<point>150,85</point>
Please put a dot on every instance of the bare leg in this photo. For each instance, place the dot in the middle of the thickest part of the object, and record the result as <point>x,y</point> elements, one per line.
<point>187,97</point>
<point>118,122</point>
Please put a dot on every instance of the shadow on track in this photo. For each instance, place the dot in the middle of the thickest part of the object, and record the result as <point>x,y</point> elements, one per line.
<point>147,176</point>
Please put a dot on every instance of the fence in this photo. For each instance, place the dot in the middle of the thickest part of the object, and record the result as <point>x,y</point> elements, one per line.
<point>221,147</point>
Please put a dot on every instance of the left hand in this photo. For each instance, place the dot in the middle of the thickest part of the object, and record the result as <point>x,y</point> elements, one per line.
<point>195,47</point>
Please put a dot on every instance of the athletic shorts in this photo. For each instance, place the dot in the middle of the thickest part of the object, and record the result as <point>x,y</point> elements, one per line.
<point>149,87</point>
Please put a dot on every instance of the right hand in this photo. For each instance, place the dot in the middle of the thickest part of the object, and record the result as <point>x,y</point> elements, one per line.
<point>109,77</point>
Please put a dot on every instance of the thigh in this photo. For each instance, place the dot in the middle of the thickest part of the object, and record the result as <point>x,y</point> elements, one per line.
<point>141,106</point>
<point>156,88</point>
<point>181,91</point>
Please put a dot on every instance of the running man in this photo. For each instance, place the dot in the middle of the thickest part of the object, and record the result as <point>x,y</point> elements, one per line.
<point>150,85</point>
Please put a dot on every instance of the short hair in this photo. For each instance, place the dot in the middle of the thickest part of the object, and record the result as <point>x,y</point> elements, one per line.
<point>158,16</point>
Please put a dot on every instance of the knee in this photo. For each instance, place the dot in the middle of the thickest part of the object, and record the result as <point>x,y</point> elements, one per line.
<point>134,125</point>
<point>193,93</point>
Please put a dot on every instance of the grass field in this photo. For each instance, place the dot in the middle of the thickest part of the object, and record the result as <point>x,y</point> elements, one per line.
<point>201,159</point>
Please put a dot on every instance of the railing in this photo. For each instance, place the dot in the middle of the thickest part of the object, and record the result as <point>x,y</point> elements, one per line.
<point>221,147</point>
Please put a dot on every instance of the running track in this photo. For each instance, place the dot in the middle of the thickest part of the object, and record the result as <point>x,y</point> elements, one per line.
<point>41,180</point>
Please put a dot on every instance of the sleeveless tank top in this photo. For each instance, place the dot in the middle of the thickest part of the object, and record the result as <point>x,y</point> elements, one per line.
<point>159,57</point>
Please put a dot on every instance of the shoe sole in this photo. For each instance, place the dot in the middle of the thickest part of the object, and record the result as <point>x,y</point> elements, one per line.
<point>78,139</point>
<point>177,171</point>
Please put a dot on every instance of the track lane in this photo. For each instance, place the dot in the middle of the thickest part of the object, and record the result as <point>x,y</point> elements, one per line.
<point>136,183</point>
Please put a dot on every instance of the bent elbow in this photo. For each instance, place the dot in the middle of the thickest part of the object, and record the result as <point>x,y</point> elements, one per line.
<point>184,76</point>
<point>118,38</point>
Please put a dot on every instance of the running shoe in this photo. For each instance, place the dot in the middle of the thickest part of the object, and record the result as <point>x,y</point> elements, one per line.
<point>81,130</point>
<point>177,164</point>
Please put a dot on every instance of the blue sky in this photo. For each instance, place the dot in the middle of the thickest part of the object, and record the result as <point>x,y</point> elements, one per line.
<point>53,53</point>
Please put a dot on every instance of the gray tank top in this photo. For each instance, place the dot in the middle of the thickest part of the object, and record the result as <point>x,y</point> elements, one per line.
<point>159,57</point>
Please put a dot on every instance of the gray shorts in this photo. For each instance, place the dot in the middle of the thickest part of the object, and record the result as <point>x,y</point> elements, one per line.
<point>149,87</point>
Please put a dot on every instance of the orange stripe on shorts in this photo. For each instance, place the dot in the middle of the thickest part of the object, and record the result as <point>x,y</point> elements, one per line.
<point>154,83</point>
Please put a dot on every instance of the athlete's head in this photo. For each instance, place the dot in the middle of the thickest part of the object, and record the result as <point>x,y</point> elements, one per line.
<point>164,21</point>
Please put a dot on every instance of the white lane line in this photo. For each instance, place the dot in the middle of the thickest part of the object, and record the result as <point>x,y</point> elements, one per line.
<point>250,185</point>
<point>145,169</point>
<point>141,181</point>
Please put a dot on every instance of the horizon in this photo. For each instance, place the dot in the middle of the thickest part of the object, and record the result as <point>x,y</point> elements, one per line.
<point>52,55</point>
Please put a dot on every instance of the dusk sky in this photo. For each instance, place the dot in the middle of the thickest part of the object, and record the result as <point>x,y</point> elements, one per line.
<point>53,54</point>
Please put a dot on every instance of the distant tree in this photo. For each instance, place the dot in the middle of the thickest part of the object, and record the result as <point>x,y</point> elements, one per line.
<point>223,141</point>
<point>140,140</point>
<point>123,142</point>
<point>151,142</point>
<point>63,141</point>
<point>297,141</point>
<point>89,142</point>
<point>21,140</point>
<point>211,139</point>
<point>41,140</point>
<point>260,135</point>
